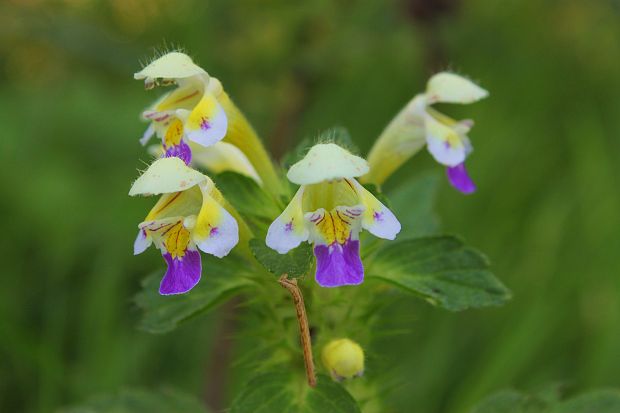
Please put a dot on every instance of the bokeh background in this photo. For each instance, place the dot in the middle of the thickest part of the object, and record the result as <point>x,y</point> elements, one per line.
<point>546,162</point>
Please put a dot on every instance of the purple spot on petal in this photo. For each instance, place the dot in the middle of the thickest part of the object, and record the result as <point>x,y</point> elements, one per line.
<point>204,124</point>
<point>214,231</point>
<point>183,273</point>
<point>458,177</point>
<point>377,215</point>
<point>446,145</point>
<point>338,265</point>
<point>182,151</point>
<point>288,227</point>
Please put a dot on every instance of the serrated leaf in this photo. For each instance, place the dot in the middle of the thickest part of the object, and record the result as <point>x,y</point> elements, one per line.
<point>295,263</point>
<point>599,401</point>
<point>413,202</point>
<point>441,269</point>
<point>283,393</point>
<point>248,198</point>
<point>221,279</point>
<point>140,401</point>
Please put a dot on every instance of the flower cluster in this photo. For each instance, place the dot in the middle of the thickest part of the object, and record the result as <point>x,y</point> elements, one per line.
<point>200,127</point>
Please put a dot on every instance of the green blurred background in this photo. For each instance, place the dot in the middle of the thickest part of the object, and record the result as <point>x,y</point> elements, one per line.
<point>546,162</point>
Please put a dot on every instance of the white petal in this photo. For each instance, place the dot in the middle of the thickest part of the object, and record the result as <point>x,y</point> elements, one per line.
<point>174,65</point>
<point>444,143</point>
<point>289,229</point>
<point>377,218</point>
<point>166,175</point>
<point>327,162</point>
<point>207,123</point>
<point>215,231</point>
<point>148,134</point>
<point>451,88</point>
<point>141,243</point>
<point>223,156</point>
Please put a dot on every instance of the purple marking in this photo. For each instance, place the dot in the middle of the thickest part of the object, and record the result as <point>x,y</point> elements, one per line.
<point>458,177</point>
<point>288,227</point>
<point>338,265</point>
<point>182,151</point>
<point>204,124</point>
<point>446,145</point>
<point>182,274</point>
<point>214,231</point>
<point>377,216</point>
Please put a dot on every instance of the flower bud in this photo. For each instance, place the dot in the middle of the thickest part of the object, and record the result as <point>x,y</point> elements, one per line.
<point>344,359</point>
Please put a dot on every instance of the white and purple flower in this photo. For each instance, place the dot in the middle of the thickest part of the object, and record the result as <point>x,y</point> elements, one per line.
<point>329,210</point>
<point>190,113</point>
<point>418,124</point>
<point>188,217</point>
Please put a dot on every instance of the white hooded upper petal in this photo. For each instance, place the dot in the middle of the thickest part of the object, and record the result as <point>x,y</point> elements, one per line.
<point>173,65</point>
<point>289,229</point>
<point>166,175</point>
<point>327,162</point>
<point>377,218</point>
<point>448,87</point>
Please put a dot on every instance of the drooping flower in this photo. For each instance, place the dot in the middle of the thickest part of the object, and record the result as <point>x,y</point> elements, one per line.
<point>188,217</point>
<point>418,124</point>
<point>199,121</point>
<point>329,210</point>
<point>343,358</point>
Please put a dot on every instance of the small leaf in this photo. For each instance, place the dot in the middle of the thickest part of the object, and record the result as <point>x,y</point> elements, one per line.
<point>510,401</point>
<point>295,263</point>
<point>413,203</point>
<point>441,269</point>
<point>248,198</point>
<point>140,401</point>
<point>599,401</point>
<point>284,393</point>
<point>221,279</point>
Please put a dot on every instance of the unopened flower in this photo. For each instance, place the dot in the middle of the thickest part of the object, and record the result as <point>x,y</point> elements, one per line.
<point>329,210</point>
<point>419,124</point>
<point>188,217</point>
<point>344,359</point>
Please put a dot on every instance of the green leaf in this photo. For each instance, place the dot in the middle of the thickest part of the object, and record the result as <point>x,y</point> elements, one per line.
<point>141,401</point>
<point>510,401</point>
<point>441,269</point>
<point>248,198</point>
<point>283,393</point>
<point>222,278</point>
<point>295,263</point>
<point>413,203</point>
<point>599,401</point>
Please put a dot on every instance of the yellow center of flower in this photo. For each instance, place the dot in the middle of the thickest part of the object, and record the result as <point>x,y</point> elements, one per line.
<point>176,240</point>
<point>334,226</point>
<point>174,134</point>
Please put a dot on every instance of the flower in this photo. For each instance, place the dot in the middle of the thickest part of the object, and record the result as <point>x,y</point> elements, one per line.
<point>190,113</point>
<point>419,124</point>
<point>199,121</point>
<point>329,210</point>
<point>344,359</point>
<point>189,216</point>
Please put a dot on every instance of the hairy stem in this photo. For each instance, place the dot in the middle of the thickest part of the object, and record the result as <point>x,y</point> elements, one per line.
<point>304,331</point>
